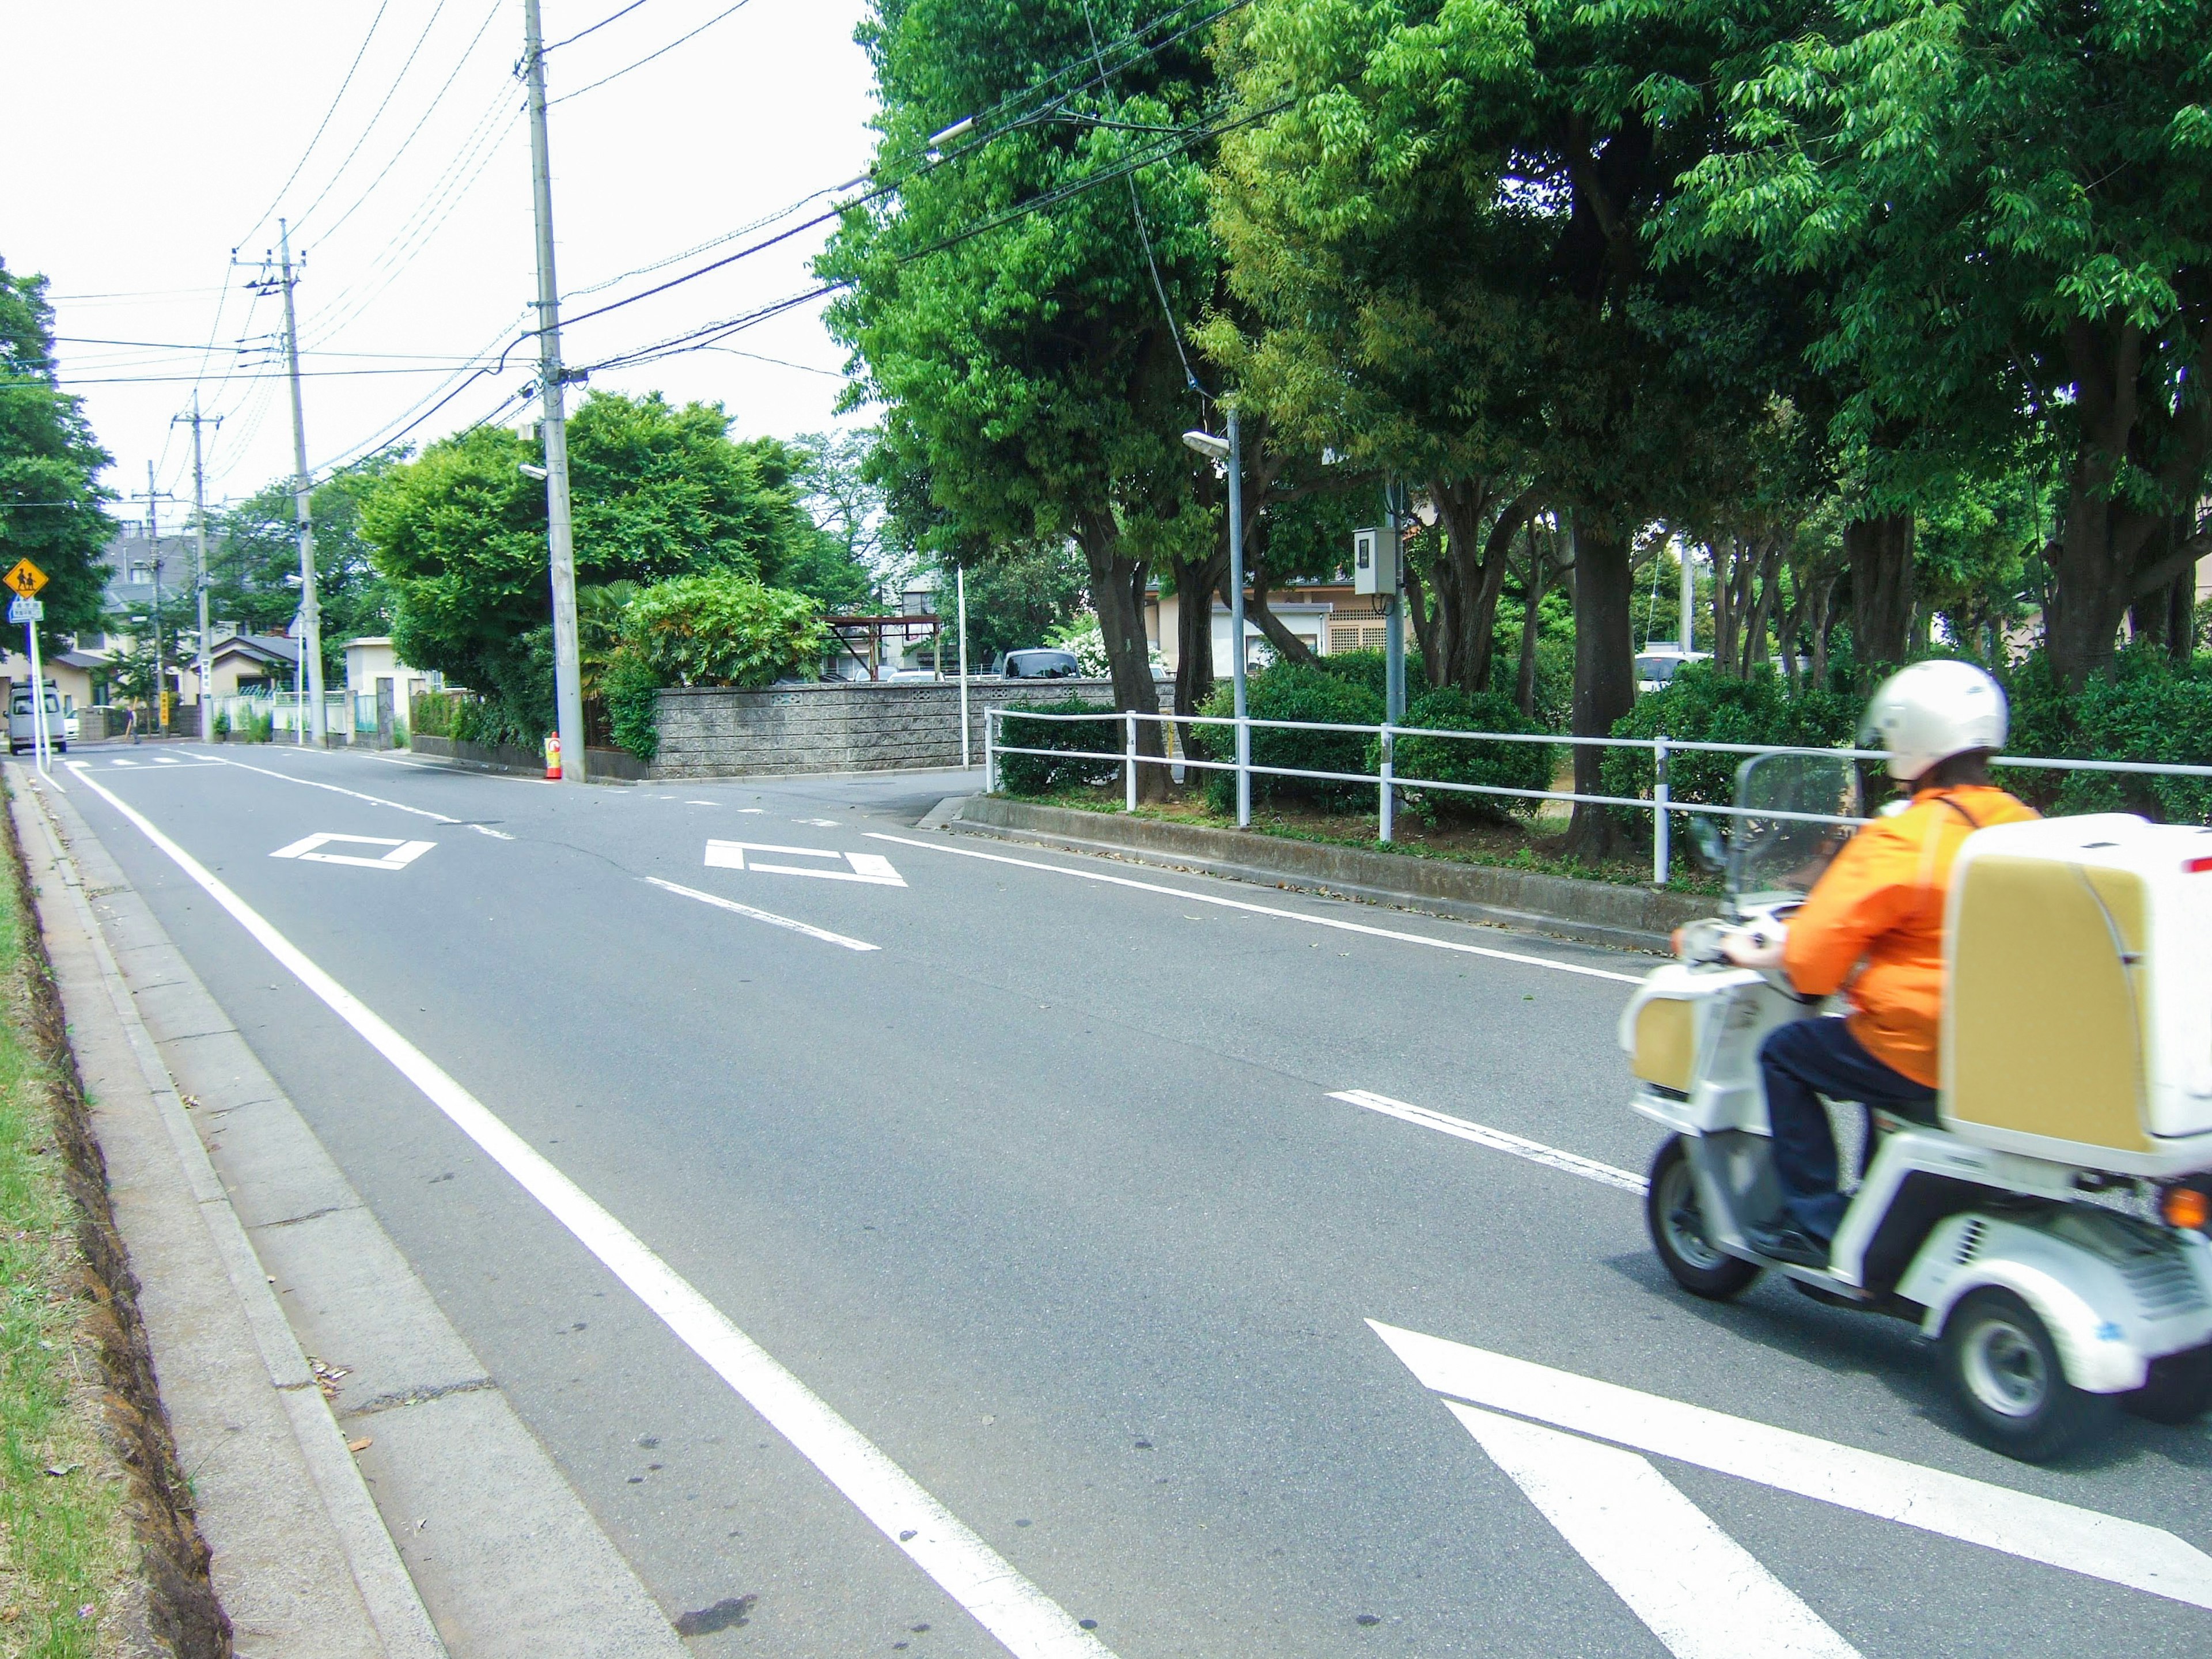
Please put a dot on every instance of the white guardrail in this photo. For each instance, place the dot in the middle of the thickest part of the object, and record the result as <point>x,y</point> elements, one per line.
<point>1386,781</point>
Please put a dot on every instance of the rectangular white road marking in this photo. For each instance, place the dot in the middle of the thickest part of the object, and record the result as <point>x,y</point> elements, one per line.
<point>166,760</point>
<point>1701,1593</point>
<point>373,800</point>
<point>870,867</point>
<point>1027,1621</point>
<point>2119,1551</point>
<point>126,762</point>
<point>402,853</point>
<point>1336,922</point>
<point>767,917</point>
<point>1482,1136</point>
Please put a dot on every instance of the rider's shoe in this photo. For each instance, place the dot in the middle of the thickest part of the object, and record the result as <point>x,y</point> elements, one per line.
<point>1790,1244</point>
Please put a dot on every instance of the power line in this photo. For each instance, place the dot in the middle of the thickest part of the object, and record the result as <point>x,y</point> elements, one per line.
<point>360,52</point>
<point>649,57</point>
<point>596,28</point>
<point>389,91</point>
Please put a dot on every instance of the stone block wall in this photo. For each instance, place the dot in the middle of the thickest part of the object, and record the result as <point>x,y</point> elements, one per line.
<point>838,726</point>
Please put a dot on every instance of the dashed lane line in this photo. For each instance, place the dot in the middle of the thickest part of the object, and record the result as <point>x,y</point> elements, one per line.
<point>375,801</point>
<point>1336,922</point>
<point>1496,1139</point>
<point>1027,1622</point>
<point>767,917</point>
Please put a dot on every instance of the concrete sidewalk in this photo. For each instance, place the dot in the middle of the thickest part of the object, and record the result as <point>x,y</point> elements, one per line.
<point>302,1529</point>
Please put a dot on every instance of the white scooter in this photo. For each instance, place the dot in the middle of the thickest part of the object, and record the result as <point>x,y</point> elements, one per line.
<point>2049,1224</point>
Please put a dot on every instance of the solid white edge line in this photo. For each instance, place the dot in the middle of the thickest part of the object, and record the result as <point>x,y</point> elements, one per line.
<point>1498,1139</point>
<point>767,917</point>
<point>1694,1587</point>
<point>2132,1553</point>
<point>1022,1617</point>
<point>1269,910</point>
<point>375,801</point>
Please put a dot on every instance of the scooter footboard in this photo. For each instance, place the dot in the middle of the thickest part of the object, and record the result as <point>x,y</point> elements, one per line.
<point>1734,1172</point>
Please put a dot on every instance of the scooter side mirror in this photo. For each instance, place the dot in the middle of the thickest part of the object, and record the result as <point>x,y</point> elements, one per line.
<point>1706,841</point>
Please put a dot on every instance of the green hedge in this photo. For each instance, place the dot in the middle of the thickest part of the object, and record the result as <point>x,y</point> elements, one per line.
<point>1289,691</point>
<point>1698,706</point>
<point>1371,670</point>
<point>1041,775</point>
<point>2148,709</point>
<point>1452,760</point>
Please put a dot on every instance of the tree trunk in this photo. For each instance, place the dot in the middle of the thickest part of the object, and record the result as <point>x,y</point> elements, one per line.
<point>2181,618</point>
<point>1117,594</point>
<point>1428,621</point>
<point>1604,669</point>
<point>1880,549</point>
<point>1472,573</point>
<point>1196,580</point>
<point>1288,645</point>
<point>1524,679</point>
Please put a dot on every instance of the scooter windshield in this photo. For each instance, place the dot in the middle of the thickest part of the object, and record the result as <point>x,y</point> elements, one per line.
<point>1814,800</point>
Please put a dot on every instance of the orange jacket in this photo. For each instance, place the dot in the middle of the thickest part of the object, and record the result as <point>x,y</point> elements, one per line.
<point>1879,911</point>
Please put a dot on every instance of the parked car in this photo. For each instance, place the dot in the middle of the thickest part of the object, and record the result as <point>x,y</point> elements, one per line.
<point>69,725</point>
<point>1043,664</point>
<point>1655,664</point>
<point>22,730</point>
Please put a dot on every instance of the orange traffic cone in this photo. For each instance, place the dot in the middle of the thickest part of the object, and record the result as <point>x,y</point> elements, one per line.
<point>553,758</point>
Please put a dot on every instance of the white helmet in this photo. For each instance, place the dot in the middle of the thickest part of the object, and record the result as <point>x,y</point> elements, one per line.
<point>1931,711</point>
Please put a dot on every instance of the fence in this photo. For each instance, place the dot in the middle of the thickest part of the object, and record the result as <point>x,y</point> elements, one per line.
<point>286,711</point>
<point>1387,782</point>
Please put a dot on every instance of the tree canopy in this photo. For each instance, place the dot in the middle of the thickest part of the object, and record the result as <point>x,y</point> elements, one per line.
<point>50,464</point>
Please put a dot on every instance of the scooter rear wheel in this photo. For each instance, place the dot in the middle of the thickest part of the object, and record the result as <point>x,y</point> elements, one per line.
<point>1677,1223</point>
<point>2007,1375</point>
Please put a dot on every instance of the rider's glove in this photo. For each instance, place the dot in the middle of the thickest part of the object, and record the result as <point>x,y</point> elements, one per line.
<point>1757,947</point>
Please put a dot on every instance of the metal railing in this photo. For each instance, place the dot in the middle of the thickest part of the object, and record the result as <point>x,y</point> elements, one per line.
<point>1387,781</point>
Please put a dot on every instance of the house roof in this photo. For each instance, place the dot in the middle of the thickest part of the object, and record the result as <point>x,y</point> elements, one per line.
<point>269,649</point>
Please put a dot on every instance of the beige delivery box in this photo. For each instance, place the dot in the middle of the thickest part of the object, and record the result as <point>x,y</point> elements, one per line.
<point>2078,1021</point>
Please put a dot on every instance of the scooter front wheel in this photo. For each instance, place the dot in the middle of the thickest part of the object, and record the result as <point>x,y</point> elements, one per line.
<point>1677,1221</point>
<point>2005,1370</point>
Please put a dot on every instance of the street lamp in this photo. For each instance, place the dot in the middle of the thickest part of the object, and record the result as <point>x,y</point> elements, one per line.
<point>1230,451</point>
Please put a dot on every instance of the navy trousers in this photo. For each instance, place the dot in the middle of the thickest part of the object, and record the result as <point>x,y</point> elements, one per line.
<point>1802,1062</point>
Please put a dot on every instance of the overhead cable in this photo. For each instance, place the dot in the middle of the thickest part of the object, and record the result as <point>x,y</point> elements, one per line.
<point>389,91</point>
<point>360,52</point>
<point>650,56</point>
<point>595,28</point>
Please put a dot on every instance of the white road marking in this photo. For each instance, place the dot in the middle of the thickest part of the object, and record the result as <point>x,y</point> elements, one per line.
<point>402,853</point>
<point>756,810</point>
<point>767,917</point>
<point>2041,1529</point>
<point>167,760</point>
<point>123,762</point>
<point>1498,1139</point>
<point>702,803</point>
<point>373,800</point>
<point>870,867</point>
<point>1027,1621</point>
<point>1700,1592</point>
<point>819,823</point>
<point>1338,923</point>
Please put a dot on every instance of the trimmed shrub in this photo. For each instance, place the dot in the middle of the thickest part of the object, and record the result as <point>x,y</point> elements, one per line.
<point>1289,691</point>
<point>1698,706</point>
<point>1371,670</point>
<point>2148,709</point>
<point>1452,760</point>
<point>723,629</point>
<point>632,693</point>
<point>1041,775</point>
<point>222,724</point>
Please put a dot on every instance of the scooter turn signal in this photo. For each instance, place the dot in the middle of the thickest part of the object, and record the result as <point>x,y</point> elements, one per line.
<point>2186,1207</point>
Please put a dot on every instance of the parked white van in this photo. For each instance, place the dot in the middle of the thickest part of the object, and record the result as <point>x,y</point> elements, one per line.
<point>22,734</point>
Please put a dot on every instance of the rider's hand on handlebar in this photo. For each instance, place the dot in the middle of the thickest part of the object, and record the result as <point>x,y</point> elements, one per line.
<point>1758,946</point>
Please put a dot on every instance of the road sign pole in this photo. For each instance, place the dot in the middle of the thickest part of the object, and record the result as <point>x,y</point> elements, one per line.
<point>41,748</point>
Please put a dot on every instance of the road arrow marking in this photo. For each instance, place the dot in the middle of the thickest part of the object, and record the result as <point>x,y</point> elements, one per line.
<point>1700,1592</point>
<point>872,868</point>
<point>402,853</point>
<point>2041,1529</point>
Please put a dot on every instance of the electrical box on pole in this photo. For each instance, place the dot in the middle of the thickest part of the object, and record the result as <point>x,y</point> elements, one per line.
<point>1374,563</point>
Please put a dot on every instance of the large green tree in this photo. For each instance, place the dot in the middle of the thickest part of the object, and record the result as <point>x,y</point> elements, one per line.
<point>1002,299</point>
<point>50,463</point>
<point>253,562</point>
<point>659,491</point>
<point>2008,210</point>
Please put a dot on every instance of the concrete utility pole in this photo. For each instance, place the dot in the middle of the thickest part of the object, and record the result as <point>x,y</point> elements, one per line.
<point>1393,611</point>
<point>567,678</point>
<point>160,660</point>
<point>311,612</point>
<point>199,561</point>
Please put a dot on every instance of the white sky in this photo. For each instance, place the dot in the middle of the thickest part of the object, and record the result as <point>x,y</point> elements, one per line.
<point>161,131</point>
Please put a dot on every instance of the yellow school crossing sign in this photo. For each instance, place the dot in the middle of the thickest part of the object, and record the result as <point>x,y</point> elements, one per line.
<point>27,578</point>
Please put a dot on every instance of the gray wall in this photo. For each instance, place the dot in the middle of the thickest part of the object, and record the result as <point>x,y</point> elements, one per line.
<point>717,732</point>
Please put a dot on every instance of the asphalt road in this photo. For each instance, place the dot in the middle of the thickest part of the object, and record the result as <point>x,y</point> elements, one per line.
<point>1049,1197</point>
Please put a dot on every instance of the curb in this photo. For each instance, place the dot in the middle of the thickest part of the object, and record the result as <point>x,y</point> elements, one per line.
<point>1587,912</point>
<point>389,1613</point>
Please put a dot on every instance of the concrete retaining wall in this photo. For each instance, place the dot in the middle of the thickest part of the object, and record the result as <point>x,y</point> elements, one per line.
<point>1594,912</point>
<point>719,732</point>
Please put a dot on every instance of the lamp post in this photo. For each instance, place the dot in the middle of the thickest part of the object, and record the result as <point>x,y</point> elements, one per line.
<point>1230,451</point>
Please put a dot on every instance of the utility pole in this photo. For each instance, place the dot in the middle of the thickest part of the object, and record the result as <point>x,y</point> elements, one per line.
<point>311,612</point>
<point>567,680</point>
<point>1689,628</point>
<point>1394,608</point>
<point>199,561</point>
<point>160,660</point>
